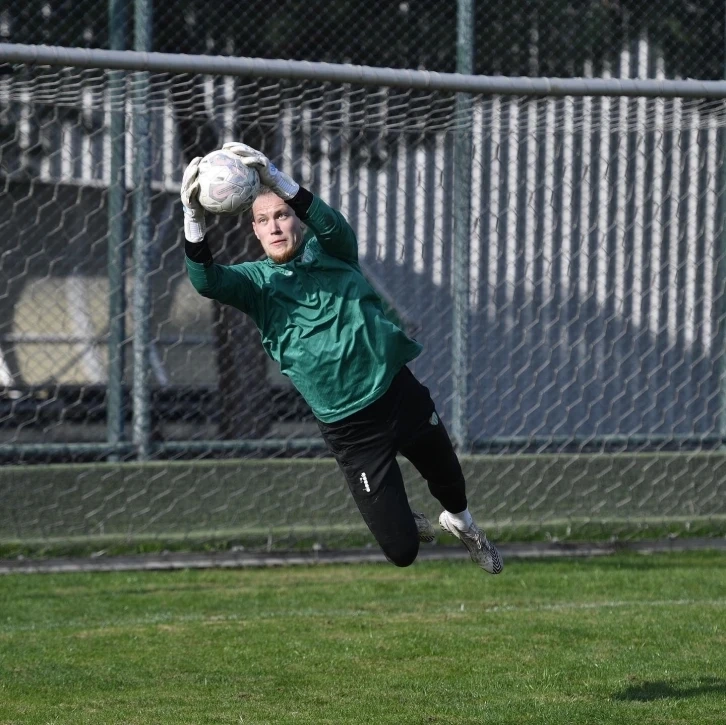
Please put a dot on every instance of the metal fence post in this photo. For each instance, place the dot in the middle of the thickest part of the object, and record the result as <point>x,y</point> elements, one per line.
<point>116,240</point>
<point>462,228</point>
<point>142,237</point>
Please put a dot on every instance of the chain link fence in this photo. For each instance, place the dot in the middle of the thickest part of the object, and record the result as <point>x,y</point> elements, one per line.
<point>594,274</point>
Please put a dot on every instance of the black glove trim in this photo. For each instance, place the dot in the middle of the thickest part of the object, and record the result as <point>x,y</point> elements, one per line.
<point>199,252</point>
<point>301,203</point>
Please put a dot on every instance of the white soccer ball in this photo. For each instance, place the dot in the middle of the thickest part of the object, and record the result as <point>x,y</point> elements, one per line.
<point>226,185</point>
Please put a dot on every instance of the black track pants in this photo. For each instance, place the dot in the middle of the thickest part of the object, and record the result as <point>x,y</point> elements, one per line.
<point>365,444</point>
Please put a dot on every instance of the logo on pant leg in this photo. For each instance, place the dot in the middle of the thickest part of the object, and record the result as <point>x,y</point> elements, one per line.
<point>364,481</point>
<point>434,419</point>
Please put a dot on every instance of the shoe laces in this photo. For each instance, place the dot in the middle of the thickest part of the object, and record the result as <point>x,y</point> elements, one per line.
<point>474,534</point>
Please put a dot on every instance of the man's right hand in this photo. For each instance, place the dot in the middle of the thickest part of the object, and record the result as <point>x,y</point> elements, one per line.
<point>195,220</point>
<point>282,184</point>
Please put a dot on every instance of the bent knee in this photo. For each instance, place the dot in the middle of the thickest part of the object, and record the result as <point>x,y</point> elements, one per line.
<point>402,555</point>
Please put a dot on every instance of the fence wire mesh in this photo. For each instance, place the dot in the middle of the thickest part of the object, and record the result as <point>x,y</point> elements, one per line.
<point>594,304</point>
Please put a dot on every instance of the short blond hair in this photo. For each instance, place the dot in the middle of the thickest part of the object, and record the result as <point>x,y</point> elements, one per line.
<point>264,191</point>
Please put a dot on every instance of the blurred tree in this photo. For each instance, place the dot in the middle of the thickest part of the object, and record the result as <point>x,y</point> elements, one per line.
<point>557,37</point>
<point>513,37</point>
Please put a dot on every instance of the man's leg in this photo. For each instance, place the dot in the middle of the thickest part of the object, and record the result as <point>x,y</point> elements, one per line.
<point>435,459</point>
<point>433,455</point>
<point>421,437</point>
<point>424,441</point>
<point>384,506</point>
<point>367,459</point>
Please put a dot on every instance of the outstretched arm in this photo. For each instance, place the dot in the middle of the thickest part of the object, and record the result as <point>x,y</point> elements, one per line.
<point>227,284</point>
<point>331,228</point>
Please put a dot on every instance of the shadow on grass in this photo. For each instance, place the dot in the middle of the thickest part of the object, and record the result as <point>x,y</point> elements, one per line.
<point>660,690</point>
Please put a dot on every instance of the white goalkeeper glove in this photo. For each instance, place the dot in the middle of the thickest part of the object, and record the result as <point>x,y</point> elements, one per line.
<point>195,220</point>
<point>283,185</point>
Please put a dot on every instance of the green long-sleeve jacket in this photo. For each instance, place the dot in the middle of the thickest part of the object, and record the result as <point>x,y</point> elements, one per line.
<point>318,316</point>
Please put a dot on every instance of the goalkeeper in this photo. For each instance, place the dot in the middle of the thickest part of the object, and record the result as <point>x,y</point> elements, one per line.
<point>323,323</point>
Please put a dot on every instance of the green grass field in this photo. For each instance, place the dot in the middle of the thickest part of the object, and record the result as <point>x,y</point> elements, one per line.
<point>622,639</point>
